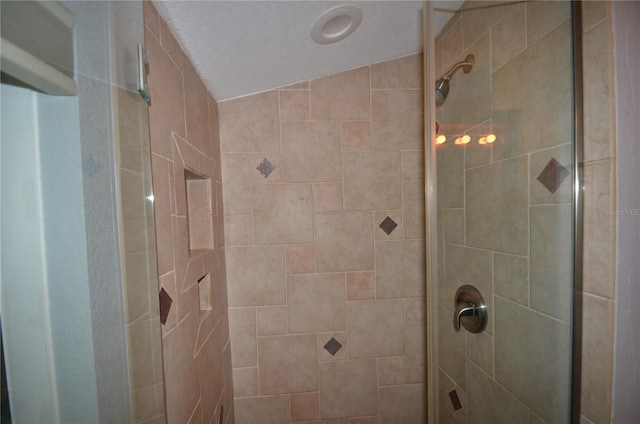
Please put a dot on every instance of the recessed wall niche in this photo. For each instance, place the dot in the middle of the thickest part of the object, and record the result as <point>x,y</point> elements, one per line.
<point>199,213</point>
<point>204,293</point>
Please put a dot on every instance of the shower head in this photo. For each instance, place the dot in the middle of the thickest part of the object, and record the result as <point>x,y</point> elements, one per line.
<point>442,85</point>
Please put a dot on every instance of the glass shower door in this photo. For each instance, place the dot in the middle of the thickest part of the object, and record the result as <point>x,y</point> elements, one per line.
<point>504,159</point>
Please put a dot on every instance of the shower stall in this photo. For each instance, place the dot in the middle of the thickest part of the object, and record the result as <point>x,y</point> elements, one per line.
<point>398,243</point>
<point>504,215</point>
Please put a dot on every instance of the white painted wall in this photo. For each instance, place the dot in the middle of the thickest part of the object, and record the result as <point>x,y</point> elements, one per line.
<point>25,305</point>
<point>626,383</point>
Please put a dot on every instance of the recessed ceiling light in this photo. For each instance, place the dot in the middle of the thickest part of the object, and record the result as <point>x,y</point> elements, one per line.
<point>335,24</point>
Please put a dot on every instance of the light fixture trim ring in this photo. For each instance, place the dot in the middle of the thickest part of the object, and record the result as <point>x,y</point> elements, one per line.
<point>322,35</point>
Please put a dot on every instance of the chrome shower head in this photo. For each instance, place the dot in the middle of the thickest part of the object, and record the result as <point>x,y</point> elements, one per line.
<point>442,85</point>
<point>442,90</point>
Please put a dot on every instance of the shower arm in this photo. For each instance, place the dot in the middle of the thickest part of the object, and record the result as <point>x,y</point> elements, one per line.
<point>466,65</point>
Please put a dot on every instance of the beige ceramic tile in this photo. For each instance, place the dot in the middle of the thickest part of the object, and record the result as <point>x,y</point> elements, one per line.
<point>255,276</point>
<point>511,277</point>
<point>404,72</point>
<point>294,105</point>
<point>413,204</point>
<point>391,371</point>
<point>300,259</point>
<point>597,342</point>
<point>497,206</point>
<point>262,410</point>
<point>162,212</point>
<point>305,406</point>
<point>356,135</point>
<point>151,18</point>
<point>453,226</point>
<point>196,110</point>
<point>238,230</point>
<point>597,93</point>
<point>170,44</point>
<point>592,13</point>
<point>476,154</point>
<point>396,120</point>
<point>343,96</point>
<point>132,194</point>
<point>508,37</point>
<point>400,269</point>
<point>316,303</point>
<point>327,197</point>
<point>535,419</point>
<point>348,388</point>
<point>282,213</point>
<point>447,413</point>
<point>384,339</point>
<point>488,402</point>
<point>532,359</point>
<point>544,16</point>
<point>450,177</point>
<point>147,403</point>
<point>242,328</point>
<point>414,311</point>
<point>452,44</point>
<point>479,16</point>
<point>199,213</point>
<point>239,173</point>
<point>137,287</point>
<point>211,363</point>
<point>341,354</point>
<point>402,404</point>
<point>364,420</point>
<point>599,225</point>
<point>311,151</point>
<point>361,285</point>
<point>372,180</point>
<point>344,241</point>
<point>531,113</point>
<point>379,217</point>
<point>165,85</point>
<point>452,348</point>
<point>245,382</point>
<point>272,320</point>
<point>480,351</point>
<point>415,348</point>
<point>184,392</point>
<point>250,124</point>
<point>302,85</point>
<point>552,260</point>
<point>288,364</point>
<point>412,164</point>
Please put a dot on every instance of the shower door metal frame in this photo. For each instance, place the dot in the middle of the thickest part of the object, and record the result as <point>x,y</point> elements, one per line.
<point>431,224</point>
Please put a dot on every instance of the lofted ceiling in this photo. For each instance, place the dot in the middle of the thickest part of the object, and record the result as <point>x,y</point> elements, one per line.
<point>242,47</point>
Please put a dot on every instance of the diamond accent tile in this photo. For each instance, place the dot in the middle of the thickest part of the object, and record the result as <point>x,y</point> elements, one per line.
<point>333,346</point>
<point>165,305</point>
<point>553,175</point>
<point>266,168</point>
<point>388,225</point>
<point>455,400</point>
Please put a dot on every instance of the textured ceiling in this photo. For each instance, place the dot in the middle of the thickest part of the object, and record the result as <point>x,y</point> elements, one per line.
<point>242,47</point>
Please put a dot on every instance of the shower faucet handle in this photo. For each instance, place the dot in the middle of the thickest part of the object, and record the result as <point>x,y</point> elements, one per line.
<point>470,310</point>
<point>462,310</point>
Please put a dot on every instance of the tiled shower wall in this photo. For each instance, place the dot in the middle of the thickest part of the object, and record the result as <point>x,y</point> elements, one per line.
<point>324,225</point>
<point>505,222</point>
<point>183,126</point>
